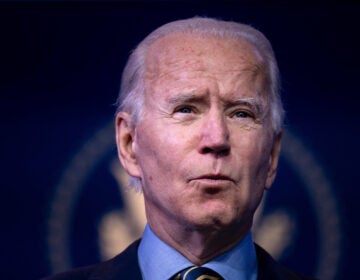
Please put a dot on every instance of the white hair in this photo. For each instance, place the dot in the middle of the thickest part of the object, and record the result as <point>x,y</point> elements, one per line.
<point>131,97</point>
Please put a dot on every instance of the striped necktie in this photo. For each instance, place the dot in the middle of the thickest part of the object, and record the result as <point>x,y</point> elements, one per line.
<point>197,273</point>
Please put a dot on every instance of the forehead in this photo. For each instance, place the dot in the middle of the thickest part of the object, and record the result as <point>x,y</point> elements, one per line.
<point>179,52</point>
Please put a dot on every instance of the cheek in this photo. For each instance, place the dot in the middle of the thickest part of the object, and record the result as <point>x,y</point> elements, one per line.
<point>250,145</point>
<point>174,142</point>
<point>156,153</point>
<point>253,152</point>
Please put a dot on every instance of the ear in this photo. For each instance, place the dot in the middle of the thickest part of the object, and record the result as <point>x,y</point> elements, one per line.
<point>274,160</point>
<point>125,142</point>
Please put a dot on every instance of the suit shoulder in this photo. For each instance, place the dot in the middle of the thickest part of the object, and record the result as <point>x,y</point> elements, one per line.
<point>125,264</point>
<point>269,269</point>
<point>82,273</point>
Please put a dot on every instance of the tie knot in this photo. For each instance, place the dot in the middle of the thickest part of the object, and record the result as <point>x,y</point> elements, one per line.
<point>198,273</point>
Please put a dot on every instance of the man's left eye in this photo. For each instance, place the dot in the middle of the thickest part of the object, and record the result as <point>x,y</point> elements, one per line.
<point>241,114</point>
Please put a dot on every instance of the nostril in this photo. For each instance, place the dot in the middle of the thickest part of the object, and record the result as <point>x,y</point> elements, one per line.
<point>207,150</point>
<point>218,151</point>
<point>224,152</point>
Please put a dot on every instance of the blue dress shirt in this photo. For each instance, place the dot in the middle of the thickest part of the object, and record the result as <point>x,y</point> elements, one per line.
<point>159,261</point>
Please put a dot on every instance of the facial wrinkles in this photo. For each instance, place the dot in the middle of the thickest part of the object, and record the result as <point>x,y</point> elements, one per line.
<point>243,70</point>
<point>200,71</point>
<point>240,90</point>
<point>251,84</point>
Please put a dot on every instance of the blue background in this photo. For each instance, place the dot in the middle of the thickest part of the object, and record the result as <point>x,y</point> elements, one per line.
<point>60,66</point>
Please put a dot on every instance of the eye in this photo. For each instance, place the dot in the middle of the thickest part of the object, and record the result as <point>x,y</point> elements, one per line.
<point>242,114</point>
<point>185,110</point>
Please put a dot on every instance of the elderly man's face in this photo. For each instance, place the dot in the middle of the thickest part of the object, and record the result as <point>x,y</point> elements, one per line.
<point>204,148</point>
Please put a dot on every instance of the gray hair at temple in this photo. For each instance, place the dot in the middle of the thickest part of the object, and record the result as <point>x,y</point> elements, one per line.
<point>133,89</point>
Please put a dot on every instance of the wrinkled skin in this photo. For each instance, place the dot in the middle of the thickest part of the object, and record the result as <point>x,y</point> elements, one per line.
<point>204,148</point>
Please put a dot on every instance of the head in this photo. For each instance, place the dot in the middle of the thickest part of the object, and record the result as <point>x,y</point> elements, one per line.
<point>199,122</point>
<point>133,83</point>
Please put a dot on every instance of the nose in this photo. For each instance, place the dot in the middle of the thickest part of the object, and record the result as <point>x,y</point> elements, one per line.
<point>214,135</point>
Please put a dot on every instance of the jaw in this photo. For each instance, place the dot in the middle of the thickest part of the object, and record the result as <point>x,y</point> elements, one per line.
<point>203,235</point>
<point>200,243</point>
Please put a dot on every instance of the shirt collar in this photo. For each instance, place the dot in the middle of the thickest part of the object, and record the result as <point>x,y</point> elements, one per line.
<point>159,261</point>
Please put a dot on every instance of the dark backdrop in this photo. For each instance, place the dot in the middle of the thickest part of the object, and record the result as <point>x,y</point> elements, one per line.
<point>60,66</point>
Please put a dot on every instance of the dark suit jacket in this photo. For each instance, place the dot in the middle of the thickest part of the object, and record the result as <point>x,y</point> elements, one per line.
<point>125,266</point>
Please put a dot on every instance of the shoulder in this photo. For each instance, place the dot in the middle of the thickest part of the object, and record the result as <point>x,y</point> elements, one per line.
<point>269,269</point>
<point>78,274</point>
<point>125,265</point>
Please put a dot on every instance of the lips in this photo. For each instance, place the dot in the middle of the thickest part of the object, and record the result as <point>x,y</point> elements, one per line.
<point>213,178</point>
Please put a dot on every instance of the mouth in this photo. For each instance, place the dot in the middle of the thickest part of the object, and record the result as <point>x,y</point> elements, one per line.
<point>213,179</point>
<point>212,184</point>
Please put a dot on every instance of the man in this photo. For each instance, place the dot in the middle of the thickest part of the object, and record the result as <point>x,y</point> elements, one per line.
<point>198,129</point>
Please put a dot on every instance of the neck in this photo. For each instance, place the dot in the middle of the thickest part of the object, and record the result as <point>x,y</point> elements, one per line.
<point>199,245</point>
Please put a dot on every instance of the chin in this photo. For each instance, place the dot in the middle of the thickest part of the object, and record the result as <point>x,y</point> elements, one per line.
<point>215,221</point>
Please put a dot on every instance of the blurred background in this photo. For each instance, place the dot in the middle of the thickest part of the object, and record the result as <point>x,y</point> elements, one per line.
<point>63,198</point>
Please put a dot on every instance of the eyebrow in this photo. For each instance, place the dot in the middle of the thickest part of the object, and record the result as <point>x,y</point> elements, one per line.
<point>185,98</point>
